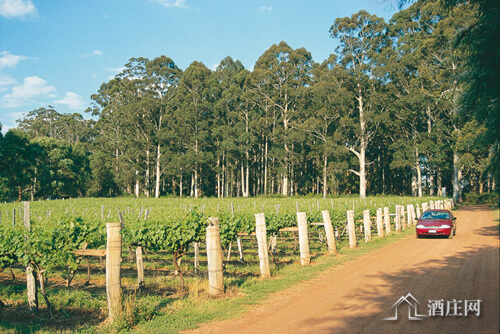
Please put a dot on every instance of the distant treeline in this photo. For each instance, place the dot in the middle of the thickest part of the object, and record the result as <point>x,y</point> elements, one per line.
<point>397,108</point>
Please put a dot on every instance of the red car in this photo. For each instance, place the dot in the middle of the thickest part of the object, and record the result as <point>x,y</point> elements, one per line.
<point>437,222</point>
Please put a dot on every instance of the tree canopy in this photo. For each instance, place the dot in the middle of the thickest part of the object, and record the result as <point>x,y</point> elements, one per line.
<point>408,106</point>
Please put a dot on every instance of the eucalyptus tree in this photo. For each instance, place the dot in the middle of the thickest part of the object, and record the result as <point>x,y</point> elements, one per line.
<point>408,89</point>
<point>445,64</point>
<point>326,98</point>
<point>475,153</point>
<point>162,76</point>
<point>231,132</point>
<point>278,81</point>
<point>41,122</point>
<point>480,93</point>
<point>131,109</point>
<point>109,106</point>
<point>192,119</point>
<point>362,37</point>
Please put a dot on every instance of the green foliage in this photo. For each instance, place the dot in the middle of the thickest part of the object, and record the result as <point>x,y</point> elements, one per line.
<point>484,198</point>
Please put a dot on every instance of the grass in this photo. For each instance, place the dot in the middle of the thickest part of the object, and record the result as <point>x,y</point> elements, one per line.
<point>188,313</point>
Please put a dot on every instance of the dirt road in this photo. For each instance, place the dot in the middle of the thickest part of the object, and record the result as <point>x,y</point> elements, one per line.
<point>357,297</point>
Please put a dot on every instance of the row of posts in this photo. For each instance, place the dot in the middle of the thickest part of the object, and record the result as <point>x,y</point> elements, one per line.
<point>214,249</point>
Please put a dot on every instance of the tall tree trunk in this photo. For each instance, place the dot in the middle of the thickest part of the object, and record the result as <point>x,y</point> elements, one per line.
<point>180,184</point>
<point>457,178</point>
<point>265,167</point>
<point>224,178</point>
<point>362,171</point>
<point>439,183</point>
<point>146,181</point>
<point>418,172</point>
<point>431,183</point>
<point>247,191</point>
<point>191,191</point>
<point>136,183</point>
<point>362,148</point>
<point>429,131</point>
<point>195,185</point>
<point>284,185</point>
<point>196,167</point>
<point>218,178</point>
<point>284,188</point>
<point>243,193</point>
<point>158,172</point>
<point>325,186</point>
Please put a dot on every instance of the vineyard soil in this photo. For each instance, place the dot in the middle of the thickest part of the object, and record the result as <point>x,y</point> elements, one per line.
<point>357,297</point>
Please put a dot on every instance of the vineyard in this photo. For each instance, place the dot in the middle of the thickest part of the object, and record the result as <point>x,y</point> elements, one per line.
<point>64,243</point>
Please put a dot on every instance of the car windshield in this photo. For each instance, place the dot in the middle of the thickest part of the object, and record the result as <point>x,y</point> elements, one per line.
<point>435,215</point>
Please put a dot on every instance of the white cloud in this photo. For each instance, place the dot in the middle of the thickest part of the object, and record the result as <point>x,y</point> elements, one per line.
<point>6,80</point>
<point>265,9</point>
<point>172,3</point>
<point>17,9</point>
<point>93,53</point>
<point>7,59</point>
<point>32,87</point>
<point>72,100</point>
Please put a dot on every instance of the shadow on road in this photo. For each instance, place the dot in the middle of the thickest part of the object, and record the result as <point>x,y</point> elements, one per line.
<point>431,280</point>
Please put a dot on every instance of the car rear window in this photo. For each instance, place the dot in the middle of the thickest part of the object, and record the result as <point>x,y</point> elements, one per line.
<point>435,215</point>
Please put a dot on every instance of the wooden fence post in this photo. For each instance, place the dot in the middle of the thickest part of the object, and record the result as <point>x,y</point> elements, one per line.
<point>432,205</point>
<point>214,258</point>
<point>380,226</point>
<point>113,269</point>
<point>387,221</point>
<point>330,237</point>
<point>351,228</point>
<point>240,248</point>
<point>140,267</point>
<point>196,256</point>
<point>424,207</point>
<point>26,217</point>
<point>273,243</point>
<point>418,212</point>
<point>260,231</point>
<point>403,221</point>
<point>305,257</point>
<point>31,288</point>
<point>367,225</point>
<point>413,214</point>
<point>409,215</point>
<point>398,218</point>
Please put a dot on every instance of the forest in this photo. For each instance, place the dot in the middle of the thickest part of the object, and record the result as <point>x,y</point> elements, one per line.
<point>405,107</point>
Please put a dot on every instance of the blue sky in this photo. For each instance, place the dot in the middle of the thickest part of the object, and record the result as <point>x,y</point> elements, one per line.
<point>58,53</point>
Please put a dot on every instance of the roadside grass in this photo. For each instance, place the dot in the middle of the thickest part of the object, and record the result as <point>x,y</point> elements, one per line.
<point>197,307</point>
